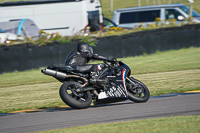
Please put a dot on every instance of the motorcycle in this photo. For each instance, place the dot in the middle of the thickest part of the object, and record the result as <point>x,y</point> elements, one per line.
<point>77,92</point>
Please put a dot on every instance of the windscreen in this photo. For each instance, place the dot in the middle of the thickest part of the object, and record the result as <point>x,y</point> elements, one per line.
<point>187,10</point>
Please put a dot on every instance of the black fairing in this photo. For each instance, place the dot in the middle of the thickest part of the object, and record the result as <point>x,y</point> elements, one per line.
<point>126,67</point>
<point>117,78</point>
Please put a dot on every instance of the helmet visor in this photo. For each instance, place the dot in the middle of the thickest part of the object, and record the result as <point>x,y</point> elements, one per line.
<point>91,50</point>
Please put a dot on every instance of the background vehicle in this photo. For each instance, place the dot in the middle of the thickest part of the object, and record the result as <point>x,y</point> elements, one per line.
<point>108,23</point>
<point>116,85</point>
<point>67,17</point>
<point>133,16</point>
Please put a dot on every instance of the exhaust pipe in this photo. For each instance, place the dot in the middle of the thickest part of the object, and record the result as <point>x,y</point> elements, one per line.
<point>60,75</point>
<point>54,73</point>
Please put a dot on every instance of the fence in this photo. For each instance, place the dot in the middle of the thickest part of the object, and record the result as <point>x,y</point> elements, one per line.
<point>26,56</point>
<point>147,2</point>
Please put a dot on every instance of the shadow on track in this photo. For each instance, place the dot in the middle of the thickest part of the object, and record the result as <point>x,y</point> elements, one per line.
<point>92,106</point>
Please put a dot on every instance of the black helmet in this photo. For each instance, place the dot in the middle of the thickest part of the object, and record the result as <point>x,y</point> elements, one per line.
<point>85,47</point>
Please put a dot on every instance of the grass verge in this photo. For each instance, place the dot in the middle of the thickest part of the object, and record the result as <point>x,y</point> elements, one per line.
<point>178,124</point>
<point>162,72</point>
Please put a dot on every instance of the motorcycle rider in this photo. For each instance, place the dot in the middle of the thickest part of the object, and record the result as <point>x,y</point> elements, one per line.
<point>79,59</point>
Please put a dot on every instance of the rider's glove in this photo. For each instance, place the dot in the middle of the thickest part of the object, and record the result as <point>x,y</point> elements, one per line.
<point>113,59</point>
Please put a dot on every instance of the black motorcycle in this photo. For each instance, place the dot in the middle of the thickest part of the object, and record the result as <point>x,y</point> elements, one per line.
<point>77,92</point>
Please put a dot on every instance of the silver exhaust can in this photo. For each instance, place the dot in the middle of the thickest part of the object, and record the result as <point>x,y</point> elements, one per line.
<point>56,74</point>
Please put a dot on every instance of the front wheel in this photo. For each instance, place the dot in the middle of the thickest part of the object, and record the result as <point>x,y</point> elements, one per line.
<point>137,91</point>
<point>71,97</point>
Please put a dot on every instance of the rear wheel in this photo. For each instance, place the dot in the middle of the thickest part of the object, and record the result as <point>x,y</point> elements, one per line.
<point>137,91</point>
<point>69,95</point>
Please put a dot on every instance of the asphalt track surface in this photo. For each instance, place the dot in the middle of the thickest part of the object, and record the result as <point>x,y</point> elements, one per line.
<point>163,106</point>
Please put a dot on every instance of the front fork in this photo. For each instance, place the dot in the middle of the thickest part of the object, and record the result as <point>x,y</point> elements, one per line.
<point>133,86</point>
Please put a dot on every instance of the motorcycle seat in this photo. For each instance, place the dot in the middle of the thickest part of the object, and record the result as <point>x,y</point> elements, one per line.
<point>85,69</point>
<point>61,68</point>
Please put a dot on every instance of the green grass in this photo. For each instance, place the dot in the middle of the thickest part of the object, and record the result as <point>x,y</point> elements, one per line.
<point>171,82</point>
<point>163,72</point>
<point>178,124</point>
<point>173,60</point>
<point>29,77</point>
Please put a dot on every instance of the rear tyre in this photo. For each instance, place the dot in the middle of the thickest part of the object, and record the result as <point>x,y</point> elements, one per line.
<point>137,91</point>
<point>71,97</point>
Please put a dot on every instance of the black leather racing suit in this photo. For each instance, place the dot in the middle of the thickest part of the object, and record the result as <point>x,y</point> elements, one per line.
<point>79,60</point>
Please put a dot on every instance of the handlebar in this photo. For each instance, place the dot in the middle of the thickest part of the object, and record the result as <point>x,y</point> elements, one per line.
<point>105,62</point>
<point>112,64</point>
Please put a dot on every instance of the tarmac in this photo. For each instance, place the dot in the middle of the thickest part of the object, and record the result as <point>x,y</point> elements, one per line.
<point>66,106</point>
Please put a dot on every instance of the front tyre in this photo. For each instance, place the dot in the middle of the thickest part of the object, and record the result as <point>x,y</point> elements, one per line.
<point>71,97</point>
<point>137,91</point>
